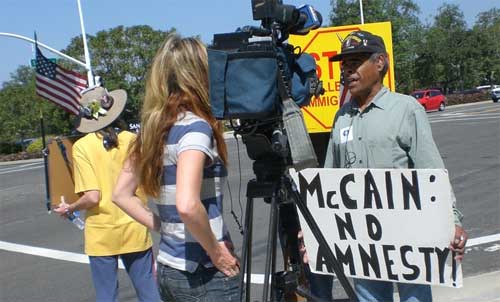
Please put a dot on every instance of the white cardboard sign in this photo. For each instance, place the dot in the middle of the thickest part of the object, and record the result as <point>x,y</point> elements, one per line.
<point>382,224</point>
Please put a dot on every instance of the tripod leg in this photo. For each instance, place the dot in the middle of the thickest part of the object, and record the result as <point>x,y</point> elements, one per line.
<point>274,243</point>
<point>330,257</point>
<point>271,245</point>
<point>246,252</point>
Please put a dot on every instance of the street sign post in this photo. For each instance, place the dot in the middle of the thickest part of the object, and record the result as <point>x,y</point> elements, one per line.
<point>33,61</point>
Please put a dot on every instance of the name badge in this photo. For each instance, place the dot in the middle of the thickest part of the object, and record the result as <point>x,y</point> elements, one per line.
<point>346,134</point>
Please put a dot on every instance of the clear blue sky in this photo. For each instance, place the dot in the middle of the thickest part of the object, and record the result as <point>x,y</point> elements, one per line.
<point>57,21</point>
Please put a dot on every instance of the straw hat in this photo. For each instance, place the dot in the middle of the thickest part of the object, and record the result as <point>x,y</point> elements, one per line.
<point>100,108</point>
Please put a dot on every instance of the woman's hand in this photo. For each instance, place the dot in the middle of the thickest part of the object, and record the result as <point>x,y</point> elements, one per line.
<point>224,260</point>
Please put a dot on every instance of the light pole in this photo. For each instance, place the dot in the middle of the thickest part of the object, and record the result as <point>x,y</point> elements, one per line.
<point>44,46</point>
<point>361,11</point>
<point>90,76</point>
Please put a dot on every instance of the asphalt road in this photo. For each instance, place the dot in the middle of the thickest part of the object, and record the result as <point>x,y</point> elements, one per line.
<point>467,136</point>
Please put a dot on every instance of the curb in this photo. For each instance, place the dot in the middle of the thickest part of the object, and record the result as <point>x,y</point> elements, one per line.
<point>468,104</point>
<point>22,161</point>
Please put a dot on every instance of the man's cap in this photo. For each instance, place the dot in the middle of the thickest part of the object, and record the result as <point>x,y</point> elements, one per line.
<point>360,42</point>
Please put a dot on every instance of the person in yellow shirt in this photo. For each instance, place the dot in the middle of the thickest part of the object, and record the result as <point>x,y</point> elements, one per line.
<point>109,232</point>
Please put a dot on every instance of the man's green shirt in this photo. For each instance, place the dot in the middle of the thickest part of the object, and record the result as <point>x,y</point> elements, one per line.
<point>392,132</point>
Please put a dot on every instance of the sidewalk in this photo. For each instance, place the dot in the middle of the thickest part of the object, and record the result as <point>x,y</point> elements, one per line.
<point>481,288</point>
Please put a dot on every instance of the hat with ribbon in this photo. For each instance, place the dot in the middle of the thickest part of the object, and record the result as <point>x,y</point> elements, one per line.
<point>360,42</point>
<point>100,108</point>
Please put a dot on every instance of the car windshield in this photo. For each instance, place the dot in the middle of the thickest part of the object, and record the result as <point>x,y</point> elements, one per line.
<point>417,95</point>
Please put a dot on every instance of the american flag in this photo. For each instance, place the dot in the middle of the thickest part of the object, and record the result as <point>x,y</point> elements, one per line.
<point>58,85</point>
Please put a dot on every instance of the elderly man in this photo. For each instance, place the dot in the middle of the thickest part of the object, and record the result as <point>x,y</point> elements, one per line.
<point>378,128</point>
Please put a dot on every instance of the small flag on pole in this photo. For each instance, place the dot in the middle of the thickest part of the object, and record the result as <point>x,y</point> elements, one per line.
<point>58,85</point>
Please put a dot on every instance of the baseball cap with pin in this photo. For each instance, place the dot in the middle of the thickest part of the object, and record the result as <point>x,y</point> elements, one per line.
<point>360,42</point>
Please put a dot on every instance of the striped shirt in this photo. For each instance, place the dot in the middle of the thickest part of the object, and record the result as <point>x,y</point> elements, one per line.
<point>178,248</point>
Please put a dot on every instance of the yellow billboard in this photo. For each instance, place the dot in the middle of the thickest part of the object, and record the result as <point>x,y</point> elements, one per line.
<point>322,44</point>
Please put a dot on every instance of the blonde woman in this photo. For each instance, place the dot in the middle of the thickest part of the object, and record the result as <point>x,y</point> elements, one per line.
<point>179,160</point>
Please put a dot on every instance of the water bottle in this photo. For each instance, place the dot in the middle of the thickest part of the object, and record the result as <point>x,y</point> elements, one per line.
<point>76,220</point>
<point>74,217</point>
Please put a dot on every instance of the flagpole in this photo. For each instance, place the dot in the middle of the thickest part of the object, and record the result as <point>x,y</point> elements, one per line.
<point>90,76</point>
<point>360,10</point>
<point>45,151</point>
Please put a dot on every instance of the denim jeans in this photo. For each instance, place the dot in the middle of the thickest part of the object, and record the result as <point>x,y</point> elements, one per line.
<point>204,285</point>
<point>139,266</point>
<point>373,290</point>
<point>320,286</point>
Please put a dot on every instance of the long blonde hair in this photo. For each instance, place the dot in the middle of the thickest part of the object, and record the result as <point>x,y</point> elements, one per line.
<point>177,82</point>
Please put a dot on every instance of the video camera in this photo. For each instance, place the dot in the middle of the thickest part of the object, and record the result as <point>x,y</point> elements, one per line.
<point>254,74</point>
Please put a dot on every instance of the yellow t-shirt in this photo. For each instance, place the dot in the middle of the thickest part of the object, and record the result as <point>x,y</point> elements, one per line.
<point>108,230</point>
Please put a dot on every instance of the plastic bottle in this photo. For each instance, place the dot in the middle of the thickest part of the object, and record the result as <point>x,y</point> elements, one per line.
<point>74,217</point>
<point>76,220</point>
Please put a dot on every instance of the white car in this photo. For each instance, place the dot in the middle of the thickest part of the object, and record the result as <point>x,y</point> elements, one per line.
<point>495,94</point>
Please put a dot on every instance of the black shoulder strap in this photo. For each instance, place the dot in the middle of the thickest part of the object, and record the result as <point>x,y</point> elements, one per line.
<point>64,154</point>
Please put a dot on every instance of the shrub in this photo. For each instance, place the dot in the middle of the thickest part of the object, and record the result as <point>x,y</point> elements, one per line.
<point>455,99</point>
<point>35,146</point>
<point>9,147</point>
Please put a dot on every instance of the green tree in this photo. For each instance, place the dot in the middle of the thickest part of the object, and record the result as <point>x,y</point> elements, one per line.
<point>485,41</point>
<point>441,59</point>
<point>406,30</point>
<point>21,109</point>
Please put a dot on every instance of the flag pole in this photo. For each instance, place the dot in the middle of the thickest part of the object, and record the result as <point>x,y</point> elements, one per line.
<point>45,151</point>
<point>90,76</point>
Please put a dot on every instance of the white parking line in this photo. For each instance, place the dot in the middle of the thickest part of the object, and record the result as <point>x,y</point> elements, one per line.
<point>472,118</point>
<point>82,258</point>
<point>48,253</point>
<point>482,240</point>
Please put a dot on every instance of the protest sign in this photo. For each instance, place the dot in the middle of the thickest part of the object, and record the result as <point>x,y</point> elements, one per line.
<point>382,224</point>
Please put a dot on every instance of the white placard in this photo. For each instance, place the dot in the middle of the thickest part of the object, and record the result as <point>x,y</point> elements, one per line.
<point>382,224</point>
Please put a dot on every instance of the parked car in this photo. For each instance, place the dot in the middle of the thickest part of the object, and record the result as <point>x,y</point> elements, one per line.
<point>431,99</point>
<point>487,88</point>
<point>495,94</point>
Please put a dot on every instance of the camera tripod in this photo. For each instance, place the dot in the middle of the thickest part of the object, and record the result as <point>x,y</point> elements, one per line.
<point>275,186</point>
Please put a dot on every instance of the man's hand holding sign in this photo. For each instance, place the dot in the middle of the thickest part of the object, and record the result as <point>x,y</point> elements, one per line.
<point>384,224</point>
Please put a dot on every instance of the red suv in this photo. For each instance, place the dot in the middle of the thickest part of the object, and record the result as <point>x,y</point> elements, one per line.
<point>431,99</point>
